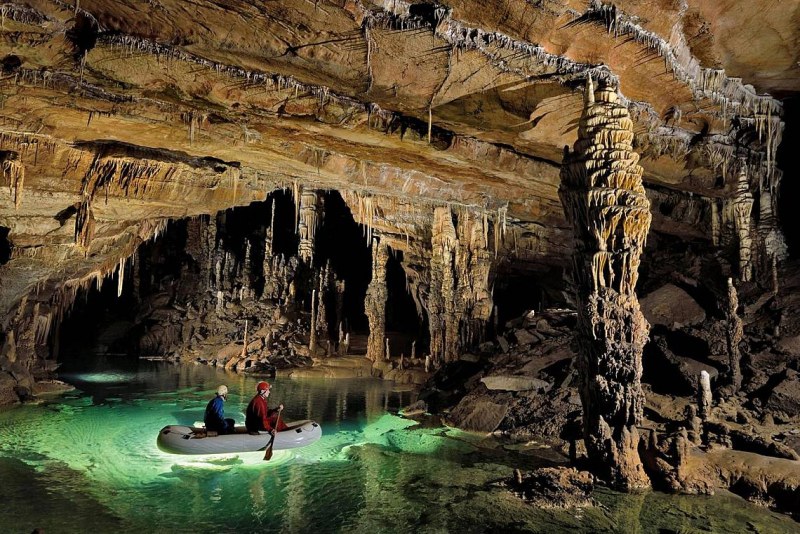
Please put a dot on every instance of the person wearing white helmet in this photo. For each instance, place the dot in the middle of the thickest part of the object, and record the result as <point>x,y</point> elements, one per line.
<point>215,413</point>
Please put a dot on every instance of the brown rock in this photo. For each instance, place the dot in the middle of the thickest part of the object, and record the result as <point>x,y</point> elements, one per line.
<point>671,306</point>
<point>479,413</point>
<point>556,487</point>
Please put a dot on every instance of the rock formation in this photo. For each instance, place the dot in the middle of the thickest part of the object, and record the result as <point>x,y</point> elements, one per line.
<point>604,200</point>
<point>375,302</point>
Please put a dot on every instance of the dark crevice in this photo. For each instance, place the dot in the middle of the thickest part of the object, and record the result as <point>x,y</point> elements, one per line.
<point>5,245</point>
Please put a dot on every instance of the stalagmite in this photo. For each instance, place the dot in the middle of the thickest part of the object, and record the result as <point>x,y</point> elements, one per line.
<point>307,225</point>
<point>704,398</point>
<point>340,287</point>
<point>742,208</point>
<point>601,190</point>
<point>733,336</point>
<point>312,339</point>
<point>375,301</point>
<point>386,353</point>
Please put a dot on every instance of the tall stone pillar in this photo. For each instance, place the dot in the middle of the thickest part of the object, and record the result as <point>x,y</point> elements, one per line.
<point>734,333</point>
<point>442,318</point>
<point>375,302</point>
<point>742,208</point>
<point>601,190</point>
<point>307,225</point>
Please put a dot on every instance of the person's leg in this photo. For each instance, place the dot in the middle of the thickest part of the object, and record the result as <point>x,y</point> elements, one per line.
<point>281,425</point>
<point>229,424</point>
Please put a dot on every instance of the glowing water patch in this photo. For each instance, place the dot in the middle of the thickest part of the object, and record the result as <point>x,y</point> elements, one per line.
<point>106,377</point>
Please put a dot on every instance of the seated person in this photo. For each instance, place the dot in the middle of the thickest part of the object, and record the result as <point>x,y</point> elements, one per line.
<point>259,417</point>
<point>215,413</point>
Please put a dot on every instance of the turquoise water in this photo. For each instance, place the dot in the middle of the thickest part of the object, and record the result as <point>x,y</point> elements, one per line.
<point>87,461</point>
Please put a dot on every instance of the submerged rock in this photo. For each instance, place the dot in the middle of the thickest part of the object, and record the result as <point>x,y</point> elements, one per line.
<point>555,487</point>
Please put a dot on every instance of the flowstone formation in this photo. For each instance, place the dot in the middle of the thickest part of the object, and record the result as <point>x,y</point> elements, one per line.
<point>603,198</point>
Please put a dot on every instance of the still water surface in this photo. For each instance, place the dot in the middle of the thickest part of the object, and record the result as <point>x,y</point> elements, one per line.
<point>87,461</point>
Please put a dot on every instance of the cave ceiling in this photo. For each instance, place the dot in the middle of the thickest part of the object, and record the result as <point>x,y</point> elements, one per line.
<point>215,104</point>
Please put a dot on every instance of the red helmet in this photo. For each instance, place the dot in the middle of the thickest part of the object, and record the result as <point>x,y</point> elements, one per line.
<point>262,386</point>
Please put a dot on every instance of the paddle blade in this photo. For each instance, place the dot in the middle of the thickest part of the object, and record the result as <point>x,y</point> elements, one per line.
<point>268,453</point>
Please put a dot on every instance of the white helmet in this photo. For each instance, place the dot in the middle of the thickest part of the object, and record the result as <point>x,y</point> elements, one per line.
<point>222,391</point>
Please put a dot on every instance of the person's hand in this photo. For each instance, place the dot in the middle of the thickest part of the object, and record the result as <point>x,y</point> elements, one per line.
<point>273,431</point>
<point>280,407</point>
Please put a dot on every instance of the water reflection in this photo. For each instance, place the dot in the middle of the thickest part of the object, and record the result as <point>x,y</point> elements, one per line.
<point>88,461</point>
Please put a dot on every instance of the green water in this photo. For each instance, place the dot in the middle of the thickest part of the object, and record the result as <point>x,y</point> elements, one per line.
<point>87,462</point>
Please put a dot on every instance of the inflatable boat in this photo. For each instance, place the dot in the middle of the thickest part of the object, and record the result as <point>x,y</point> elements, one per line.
<point>180,439</point>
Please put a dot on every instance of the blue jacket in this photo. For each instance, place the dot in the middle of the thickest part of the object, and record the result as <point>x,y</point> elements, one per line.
<point>215,415</point>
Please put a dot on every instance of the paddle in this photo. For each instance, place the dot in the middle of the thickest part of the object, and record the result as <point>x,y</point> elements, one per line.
<point>268,450</point>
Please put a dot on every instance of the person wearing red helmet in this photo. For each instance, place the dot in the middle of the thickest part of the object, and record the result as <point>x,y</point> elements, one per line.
<point>259,417</point>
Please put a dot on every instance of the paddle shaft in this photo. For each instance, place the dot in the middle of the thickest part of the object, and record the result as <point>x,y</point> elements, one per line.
<point>268,450</point>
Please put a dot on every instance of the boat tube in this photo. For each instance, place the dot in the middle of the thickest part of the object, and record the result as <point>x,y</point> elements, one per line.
<point>182,439</point>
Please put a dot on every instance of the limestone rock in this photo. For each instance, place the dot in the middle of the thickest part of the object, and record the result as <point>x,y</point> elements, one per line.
<point>556,487</point>
<point>479,413</point>
<point>785,397</point>
<point>514,383</point>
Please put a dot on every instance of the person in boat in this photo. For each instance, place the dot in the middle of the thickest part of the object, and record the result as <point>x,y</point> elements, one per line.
<point>259,417</point>
<point>215,413</point>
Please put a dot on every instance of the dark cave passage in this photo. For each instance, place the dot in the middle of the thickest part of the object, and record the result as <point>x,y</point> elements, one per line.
<point>404,325</point>
<point>340,241</point>
<point>5,245</point>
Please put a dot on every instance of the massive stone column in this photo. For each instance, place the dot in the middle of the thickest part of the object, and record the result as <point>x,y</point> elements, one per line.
<point>733,335</point>
<point>601,190</point>
<point>742,208</point>
<point>307,225</point>
<point>442,319</point>
<point>375,302</point>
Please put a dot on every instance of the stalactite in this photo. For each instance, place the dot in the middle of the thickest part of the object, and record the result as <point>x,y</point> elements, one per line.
<point>14,172</point>
<point>603,198</point>
<point>742,208</point>
<point>84,224</point>
<point>120,276</point>
<point>375,301</point>
<point>733,336</point>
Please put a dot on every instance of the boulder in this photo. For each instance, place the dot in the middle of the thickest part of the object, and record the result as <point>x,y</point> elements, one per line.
<point>479,413</point>
<point>514,383</point>
<point>7,384</point>
<point>785,397</point>
<point>524,337</point>
<point>555,487</point>
<point>672,307</point>
<point>789,345</point>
